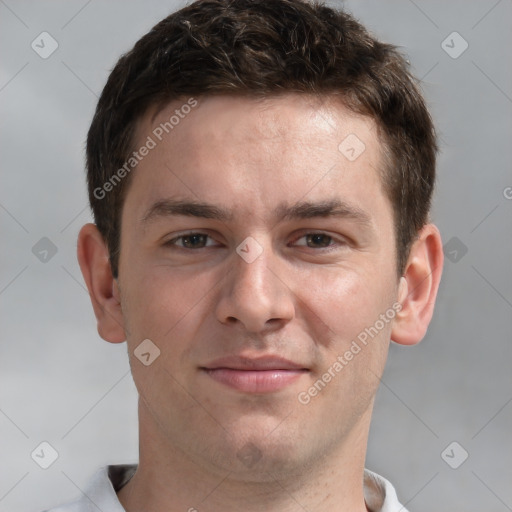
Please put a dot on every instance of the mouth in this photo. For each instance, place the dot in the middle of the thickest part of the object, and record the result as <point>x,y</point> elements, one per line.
<point>261,375</point>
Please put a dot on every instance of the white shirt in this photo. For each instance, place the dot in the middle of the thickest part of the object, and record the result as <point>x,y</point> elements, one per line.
<point>100,492</point>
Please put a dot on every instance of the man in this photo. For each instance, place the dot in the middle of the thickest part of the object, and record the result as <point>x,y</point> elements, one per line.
<point>260,174</point>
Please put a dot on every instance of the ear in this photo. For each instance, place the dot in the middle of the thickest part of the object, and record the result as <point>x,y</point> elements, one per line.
<point>418,287</point>
<point>94,263</point>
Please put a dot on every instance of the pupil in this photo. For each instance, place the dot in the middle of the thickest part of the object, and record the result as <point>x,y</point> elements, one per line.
<point>192,240</point>
<point>317,240</point>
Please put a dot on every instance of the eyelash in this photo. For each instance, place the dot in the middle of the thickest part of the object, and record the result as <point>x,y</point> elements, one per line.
<point>172,242</point>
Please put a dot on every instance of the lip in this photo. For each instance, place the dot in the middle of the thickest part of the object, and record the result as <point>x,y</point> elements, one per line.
<point>254,363</point>
<point>255,375</point>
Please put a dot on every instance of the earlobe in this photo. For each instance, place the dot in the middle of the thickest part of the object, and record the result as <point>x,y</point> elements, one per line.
<point>94,262</point>
<point>418,287</point>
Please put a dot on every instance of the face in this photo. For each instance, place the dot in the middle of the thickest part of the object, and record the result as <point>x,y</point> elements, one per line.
<point>258,256</point>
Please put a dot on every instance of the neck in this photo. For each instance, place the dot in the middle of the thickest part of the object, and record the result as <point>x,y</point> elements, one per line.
<point>168,480</point>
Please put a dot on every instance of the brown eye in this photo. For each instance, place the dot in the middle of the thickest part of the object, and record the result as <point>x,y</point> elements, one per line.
<point>318,240</point>
<point>194,241</point>
<point>190,241</point>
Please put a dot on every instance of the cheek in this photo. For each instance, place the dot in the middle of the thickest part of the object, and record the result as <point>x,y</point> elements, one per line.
<point>163,306</point>
<point>351,343</point>
<point>345,301</point>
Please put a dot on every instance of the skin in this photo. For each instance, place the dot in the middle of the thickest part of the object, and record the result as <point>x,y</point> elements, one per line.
<point>298,300</point>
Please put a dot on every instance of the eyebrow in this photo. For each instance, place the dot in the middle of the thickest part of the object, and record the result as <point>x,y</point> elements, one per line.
<point>301,210</point>
<point>173,207</point>
<point>329,208</point>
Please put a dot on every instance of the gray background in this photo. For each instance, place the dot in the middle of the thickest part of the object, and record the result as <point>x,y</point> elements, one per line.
<point>62,384</point>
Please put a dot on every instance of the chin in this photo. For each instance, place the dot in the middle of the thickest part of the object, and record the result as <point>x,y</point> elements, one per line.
<point>260,457</point>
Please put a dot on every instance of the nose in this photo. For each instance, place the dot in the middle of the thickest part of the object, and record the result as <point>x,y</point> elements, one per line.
<point>256,294</point>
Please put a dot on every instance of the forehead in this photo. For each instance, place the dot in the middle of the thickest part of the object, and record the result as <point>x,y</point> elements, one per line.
<point>299,119</point>
<point>249,153</point>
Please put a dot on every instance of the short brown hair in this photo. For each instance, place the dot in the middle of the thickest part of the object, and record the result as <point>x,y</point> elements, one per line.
<point>265,48</point>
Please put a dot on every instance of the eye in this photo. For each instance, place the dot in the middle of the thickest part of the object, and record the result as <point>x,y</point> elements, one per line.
<point>318,240</point>
<point>190,241</point>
